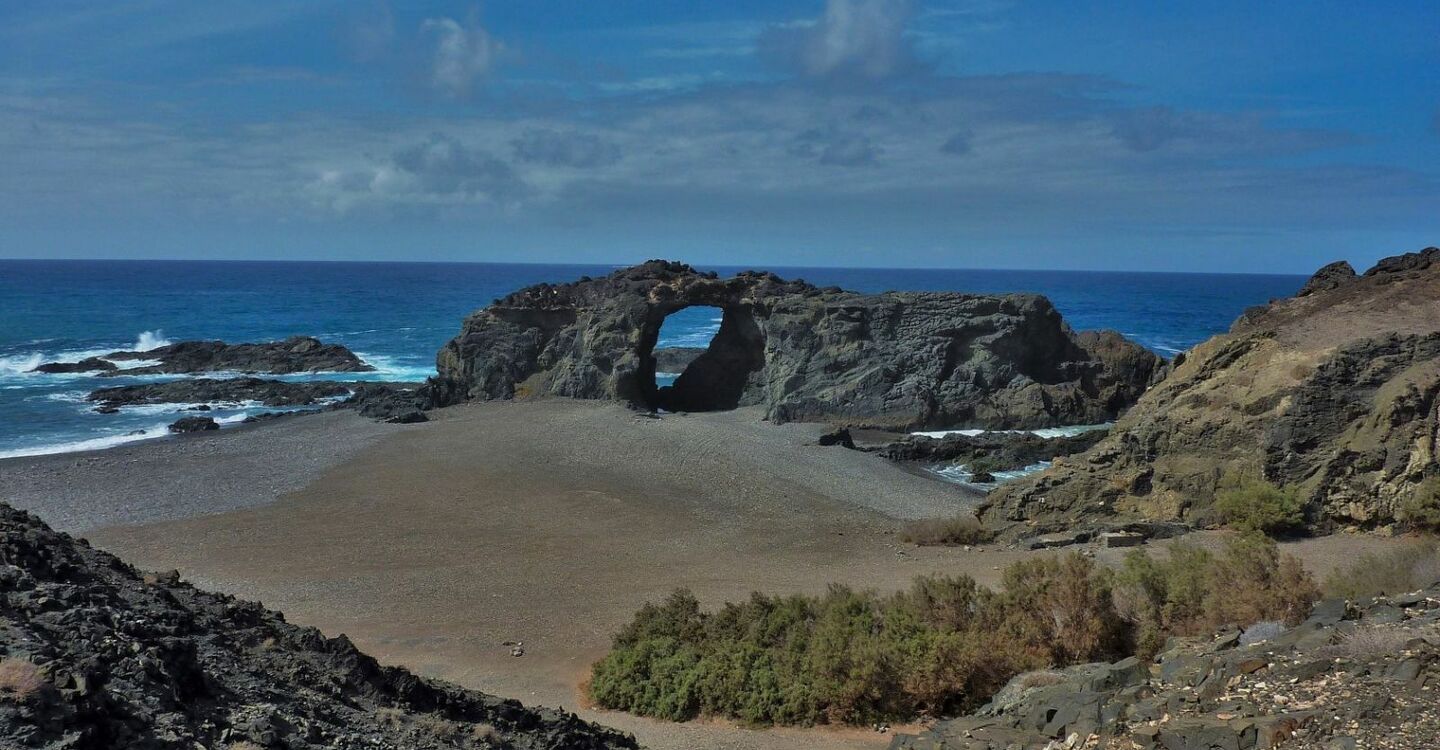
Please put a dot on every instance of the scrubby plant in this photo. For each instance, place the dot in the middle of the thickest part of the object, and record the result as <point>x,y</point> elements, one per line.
<point>955,531</point>
<point>945,644</point>
<point>1406,568</point>
<point>1251,504</point>
<point>20,680</point>
<point>1421,511</point>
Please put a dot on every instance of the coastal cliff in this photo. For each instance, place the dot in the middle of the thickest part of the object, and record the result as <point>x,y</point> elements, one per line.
<point>1331,393</point>
<point>896,360</point>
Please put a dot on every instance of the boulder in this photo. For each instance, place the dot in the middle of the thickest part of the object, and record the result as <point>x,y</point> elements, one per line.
<point>272,393</point>
<point>193,424</point>
<point>899,360</point>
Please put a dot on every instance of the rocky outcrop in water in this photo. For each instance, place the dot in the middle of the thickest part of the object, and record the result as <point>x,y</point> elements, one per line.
<point>1355,675</point>
<point>95,655</point>
<point>89,364</point>
<point>998,451</point>
<point>193,424</point>
<point>896,360</point>
<point>1332,393</point>
<point>295,354</point>
<point>272,393</point>
<point>676,358</point>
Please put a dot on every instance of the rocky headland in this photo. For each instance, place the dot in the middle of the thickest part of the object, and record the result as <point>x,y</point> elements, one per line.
<point>95,654</point>
<point>1331,394</point>
<point>898,360</point>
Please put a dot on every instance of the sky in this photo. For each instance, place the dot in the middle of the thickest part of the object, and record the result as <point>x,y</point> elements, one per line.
<point>1219,136</point>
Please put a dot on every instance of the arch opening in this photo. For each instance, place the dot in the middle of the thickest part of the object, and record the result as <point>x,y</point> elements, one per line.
<point>702,358</point>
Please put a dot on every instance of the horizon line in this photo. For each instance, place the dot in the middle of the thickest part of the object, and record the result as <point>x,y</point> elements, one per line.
<point>618,266</point>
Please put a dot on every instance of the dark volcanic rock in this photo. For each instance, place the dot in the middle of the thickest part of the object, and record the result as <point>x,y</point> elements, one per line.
<point>840,437</point>
<point>89,364</point>
<point>295,354</point>
<point>390,402</point>
<point>893,360</point>
<point>1334,394</point>
<point>193,424</point>
<point>1002,451</point>
<point>273,393</point>
<point>110,659</point>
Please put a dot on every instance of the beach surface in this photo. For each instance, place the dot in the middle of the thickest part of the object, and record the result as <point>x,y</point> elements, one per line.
<point>548,523</point>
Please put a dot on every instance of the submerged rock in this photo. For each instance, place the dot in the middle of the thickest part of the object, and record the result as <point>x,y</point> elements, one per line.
<point>897,360</point>
<point>1334,393</point>
<point>295,354</point>
<point>106,657</point>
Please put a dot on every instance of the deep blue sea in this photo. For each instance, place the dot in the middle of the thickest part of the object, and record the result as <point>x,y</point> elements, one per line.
<point>396,315</point>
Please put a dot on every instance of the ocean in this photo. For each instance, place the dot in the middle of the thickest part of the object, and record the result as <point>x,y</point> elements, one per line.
<point>397,315</point>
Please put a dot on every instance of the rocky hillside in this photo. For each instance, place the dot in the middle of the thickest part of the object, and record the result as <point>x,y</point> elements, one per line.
<point>1354,675</point>
<point>1331,393</point>
<point>895,360</point>
<point>95,655</point>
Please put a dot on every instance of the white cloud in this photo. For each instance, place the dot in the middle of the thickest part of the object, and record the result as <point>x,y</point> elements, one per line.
<point>860,38</point>
<point>463,53</point>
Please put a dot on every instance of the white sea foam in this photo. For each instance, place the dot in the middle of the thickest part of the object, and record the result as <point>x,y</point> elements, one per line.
<point>390,369</point>
<point>20,364</point>
<point>1044,432</point>
<point>149,340</point>
<point>961,474</point>
<point>93,444</point>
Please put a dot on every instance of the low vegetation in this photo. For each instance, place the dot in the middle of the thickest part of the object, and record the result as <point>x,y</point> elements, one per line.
<point>1407,568</point>
<point>945,645</point>
<point>956,531</point>
<point>1421,511</point>
<point>20,680</point>
<point>1250,504</point>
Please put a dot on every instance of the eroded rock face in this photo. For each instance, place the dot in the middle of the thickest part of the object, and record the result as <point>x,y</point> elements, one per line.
<point>107,658</point>
<point>295,354</point>
<point>897,360</point>
<point>1332,392</point>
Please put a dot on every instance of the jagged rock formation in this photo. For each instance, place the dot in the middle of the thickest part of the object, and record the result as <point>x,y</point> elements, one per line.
<point>676,358</point>
<point>274,393</point>
<point>89,364</point>
<point>1352,675</point>
<point>1000,451</point>
<point>295,354</point>
<point>1332,392</point>
<point>93,655</point>
<point>895,360</point>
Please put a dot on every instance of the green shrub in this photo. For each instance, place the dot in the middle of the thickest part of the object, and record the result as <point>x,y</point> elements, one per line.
<point>944,645</point>
<point>1421,511</point>
<point>960,530</point>
<point>1404,569</point>
<point>1256,505</point>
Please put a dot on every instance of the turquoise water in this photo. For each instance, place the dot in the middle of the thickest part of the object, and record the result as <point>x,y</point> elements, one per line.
<point>396,315</point>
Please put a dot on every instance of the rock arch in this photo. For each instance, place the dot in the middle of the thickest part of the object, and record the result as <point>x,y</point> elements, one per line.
<point>895,360</point>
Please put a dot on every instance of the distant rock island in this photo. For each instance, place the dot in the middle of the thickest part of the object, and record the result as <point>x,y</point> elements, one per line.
<point>293,355</point>
<point>897,360</point>
<point>1331,394</point>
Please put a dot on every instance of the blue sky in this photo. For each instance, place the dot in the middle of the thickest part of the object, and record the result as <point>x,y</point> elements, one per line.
<point>1218,136</point>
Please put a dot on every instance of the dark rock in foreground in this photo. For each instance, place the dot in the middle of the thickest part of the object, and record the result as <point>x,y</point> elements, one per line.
<point>390,402</point>
<point>89,364</point>
<point>295,354</point>
<point>895,360</point>
<point>96,656</point>
<point>1351,676</point>
<point>272,393</point>
<point>1331,394</point>
<point>193,424</point>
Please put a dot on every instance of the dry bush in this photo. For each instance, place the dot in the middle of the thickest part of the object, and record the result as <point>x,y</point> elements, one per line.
<point>486,733</point>
<point>243,745</point>
<point>438,727</point>
<point>20,680</point>
<point>1409,567</point>
<point>1249,504</point>
<point>1041,678</point>
<point>956,531</point>
<point>1371,641</point>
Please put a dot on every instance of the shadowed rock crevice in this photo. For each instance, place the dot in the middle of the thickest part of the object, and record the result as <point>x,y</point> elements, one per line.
<point>897,360</point>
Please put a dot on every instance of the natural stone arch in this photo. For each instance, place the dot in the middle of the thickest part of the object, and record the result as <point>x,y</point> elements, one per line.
<point>717,379</point>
